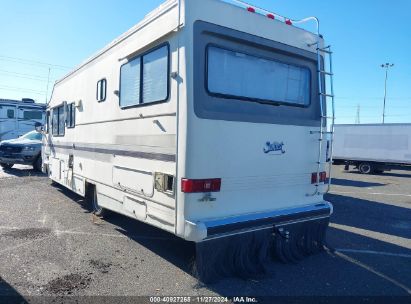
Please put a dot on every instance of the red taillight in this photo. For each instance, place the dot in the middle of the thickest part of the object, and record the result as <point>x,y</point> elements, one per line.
<point>200,185</point>
<point>323,177</point>
<point>251,9</point>
<point>271,16</point>
<point>288,21</point>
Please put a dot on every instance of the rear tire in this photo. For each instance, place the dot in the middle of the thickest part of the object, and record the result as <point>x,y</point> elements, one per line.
<point>365,168</point>
<point>6,166</point>
<point>37,164</point>
<point>93,202</point>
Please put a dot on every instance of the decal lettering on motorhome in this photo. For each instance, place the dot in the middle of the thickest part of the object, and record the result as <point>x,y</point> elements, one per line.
<point>275,147</point>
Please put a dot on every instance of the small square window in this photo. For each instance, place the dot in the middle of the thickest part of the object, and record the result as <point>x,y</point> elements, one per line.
<point>71,116</point>
<point>101,90</point>
<point>10,113</point>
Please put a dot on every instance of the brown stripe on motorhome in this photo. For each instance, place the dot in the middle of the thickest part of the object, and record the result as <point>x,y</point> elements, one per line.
<point>129,153</point>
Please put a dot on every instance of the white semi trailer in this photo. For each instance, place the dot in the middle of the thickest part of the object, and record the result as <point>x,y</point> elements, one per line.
<point>207,119</point>
<point>373,148</point>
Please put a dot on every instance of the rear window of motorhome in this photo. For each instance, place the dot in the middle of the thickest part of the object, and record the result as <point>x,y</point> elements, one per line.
<point>58,121</point>
<point>101,90</point>
<point>32,115</point>
<point>234,74</point>
<point>10,113</point>
<point>145,79</point>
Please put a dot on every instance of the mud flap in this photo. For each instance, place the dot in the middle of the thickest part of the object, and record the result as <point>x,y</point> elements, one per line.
<point>246,255</point>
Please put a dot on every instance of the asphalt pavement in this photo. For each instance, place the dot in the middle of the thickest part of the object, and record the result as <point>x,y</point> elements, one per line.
<point>51,245</point>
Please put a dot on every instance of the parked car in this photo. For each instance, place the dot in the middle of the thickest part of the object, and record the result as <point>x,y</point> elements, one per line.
<point>24,150</point>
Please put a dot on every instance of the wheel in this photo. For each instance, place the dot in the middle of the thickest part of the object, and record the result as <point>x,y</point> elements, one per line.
<point>37,164</point>
<point>365,168</point>
<point>93,202</point>
<point>6,166</point>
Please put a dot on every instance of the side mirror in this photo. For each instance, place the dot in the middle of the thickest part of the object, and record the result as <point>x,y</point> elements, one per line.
<point>39,127</point>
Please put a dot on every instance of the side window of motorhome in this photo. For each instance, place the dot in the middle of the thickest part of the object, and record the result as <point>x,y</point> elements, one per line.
<point>101,90</point>
<point>71,116</point>
<point>281,83</point>
<point>58,121</point>
<point>145,79</point>
<point>47,122</point>
<point>10,113</point>
<point>32,114</point>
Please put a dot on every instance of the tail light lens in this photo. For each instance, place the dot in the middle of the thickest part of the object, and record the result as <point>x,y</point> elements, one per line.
<point>200,185</point>
<point>322,175</point>
<point>271,16</point>
<point>251,9</point>
<point>288,22</point>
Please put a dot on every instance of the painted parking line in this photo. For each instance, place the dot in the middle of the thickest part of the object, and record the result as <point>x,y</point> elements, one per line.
<point>391,239</point>
<point>383,253</point>
<point>371,193</point>
<point>11,248</point>
<point>57,232</point>
<point>8,228</point>
<point>374,271</point>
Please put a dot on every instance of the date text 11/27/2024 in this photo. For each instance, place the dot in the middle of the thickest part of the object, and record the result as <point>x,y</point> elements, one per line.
<point>205,299</point>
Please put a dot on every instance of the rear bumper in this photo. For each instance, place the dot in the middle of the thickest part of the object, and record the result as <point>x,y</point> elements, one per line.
<point>201,231</point>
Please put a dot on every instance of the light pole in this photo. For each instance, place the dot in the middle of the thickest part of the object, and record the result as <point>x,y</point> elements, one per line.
<point>386,67</point>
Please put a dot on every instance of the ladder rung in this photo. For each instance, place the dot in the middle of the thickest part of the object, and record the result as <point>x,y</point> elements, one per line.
<point>326,73</point>
<point>319,132</point>
<point>311,44</point>
<point>326,95</point>
<point>324,50</point>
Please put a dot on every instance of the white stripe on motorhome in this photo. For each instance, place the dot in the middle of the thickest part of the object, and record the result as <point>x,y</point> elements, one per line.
<point>400,255</point>
<point>370,193</point>
<point>391,239</point>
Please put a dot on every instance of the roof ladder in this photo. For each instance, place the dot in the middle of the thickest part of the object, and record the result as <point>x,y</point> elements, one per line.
<point>326,120</point>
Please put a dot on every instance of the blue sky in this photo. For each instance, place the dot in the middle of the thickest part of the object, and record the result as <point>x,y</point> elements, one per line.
<point>364,34</point>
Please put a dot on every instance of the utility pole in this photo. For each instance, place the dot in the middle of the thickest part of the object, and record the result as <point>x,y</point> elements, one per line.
<point>386,67</point>
<point>48,81</point>
<point>357,120</point>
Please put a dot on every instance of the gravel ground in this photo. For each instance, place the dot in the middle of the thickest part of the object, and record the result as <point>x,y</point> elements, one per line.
<point>51,245</point>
